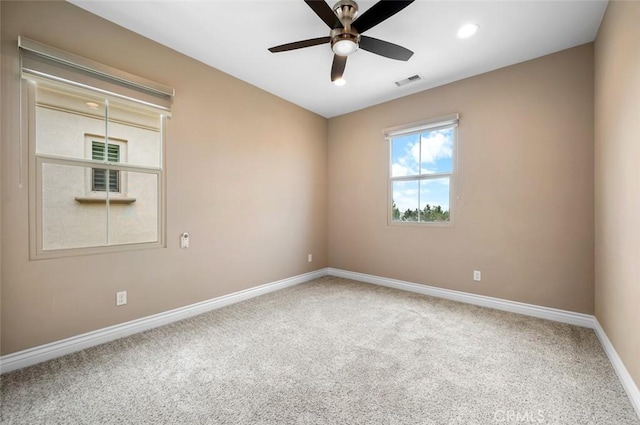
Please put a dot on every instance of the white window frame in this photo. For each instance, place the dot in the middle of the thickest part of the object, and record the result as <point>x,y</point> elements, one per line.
<point>37,160</point>
<point>438,123</point>
<point>41,62</point>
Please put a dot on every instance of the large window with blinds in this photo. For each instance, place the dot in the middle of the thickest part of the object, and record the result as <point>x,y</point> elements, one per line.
<point>422,170</point>
<point>96,155</point>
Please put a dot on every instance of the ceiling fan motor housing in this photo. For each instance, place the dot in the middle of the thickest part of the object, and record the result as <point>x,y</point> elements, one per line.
<point>344,41</point>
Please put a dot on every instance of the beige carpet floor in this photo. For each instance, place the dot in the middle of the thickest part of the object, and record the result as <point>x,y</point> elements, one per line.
<point>331,351</point>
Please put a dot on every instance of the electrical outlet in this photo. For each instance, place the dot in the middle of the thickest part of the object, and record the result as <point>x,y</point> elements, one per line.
<point>477,276</point>
<point>310,258</point>
<point>121,298</point>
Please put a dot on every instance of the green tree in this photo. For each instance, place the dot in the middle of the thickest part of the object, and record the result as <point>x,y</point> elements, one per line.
<point>435,213</point>
<point>395,212</point>
<point>410,215</point>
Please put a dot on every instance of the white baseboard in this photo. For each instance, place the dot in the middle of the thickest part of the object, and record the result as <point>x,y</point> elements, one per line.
<point>625,378</point>
<point>55,349</point>
<point>563,316</point>
<point>578,319</point>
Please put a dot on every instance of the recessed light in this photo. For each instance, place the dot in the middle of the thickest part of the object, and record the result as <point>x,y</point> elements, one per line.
<point>468,30</point>
<point>340,82</point>
<point>92,105</point>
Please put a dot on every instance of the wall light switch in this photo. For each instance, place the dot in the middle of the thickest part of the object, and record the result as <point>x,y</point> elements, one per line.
<point>477,276</point>
<point>184,240</point>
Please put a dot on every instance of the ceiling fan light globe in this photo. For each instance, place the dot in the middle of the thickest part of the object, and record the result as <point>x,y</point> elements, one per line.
<point>340,82</point>
<point>344,47</point>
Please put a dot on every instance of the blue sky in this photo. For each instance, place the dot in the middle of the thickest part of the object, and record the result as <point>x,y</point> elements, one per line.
<point>418,154</point>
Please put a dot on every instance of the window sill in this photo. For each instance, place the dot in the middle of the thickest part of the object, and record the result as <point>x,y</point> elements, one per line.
<point>96,200</point>
<point>443,224</point>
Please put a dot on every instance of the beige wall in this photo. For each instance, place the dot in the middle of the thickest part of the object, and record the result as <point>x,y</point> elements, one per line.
<point>617,180</point>
<point>246,177</point>
<point>524,208</point>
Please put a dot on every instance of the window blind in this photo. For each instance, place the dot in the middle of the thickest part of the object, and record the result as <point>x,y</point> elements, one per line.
<point>41,60</point>
<point>432,124</point>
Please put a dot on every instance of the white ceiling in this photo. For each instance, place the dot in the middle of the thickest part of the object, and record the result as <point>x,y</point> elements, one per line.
<point>234,36</point>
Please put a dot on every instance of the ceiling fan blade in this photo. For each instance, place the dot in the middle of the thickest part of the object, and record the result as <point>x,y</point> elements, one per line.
<point>378,13</point>
<point>337,69</point>
<point>325,13</point>
<point>300,44</point>
<point>384,48</point>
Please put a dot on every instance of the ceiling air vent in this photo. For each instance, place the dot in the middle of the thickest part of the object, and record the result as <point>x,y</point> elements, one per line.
<point>406,81</point>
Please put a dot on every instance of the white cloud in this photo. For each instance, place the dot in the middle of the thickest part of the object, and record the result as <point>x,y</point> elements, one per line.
<point>405,199</point>
<point>435,146</point>
<point>405,165</point>
<point>401,170</point>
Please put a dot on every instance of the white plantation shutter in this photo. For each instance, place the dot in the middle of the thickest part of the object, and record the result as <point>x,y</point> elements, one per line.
<point>99,183</point>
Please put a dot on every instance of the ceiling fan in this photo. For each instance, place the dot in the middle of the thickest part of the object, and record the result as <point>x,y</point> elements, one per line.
<point>346,32</point>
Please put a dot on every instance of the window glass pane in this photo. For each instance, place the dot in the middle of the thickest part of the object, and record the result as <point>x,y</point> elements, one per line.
<point>140,128</point>
<point>434,199</point>
<point>63,118</point>
<point>405,151</point>
<point>67,223</point>
<point>405,200</point>
<point>135,222</point>
<point>436,151</point>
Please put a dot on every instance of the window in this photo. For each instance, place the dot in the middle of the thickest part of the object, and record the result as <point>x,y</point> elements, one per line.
<point>97,181</point>
<point>100,176</point>
<point>94,189</point>
<point>422,171</point>
<point>96,166</point>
